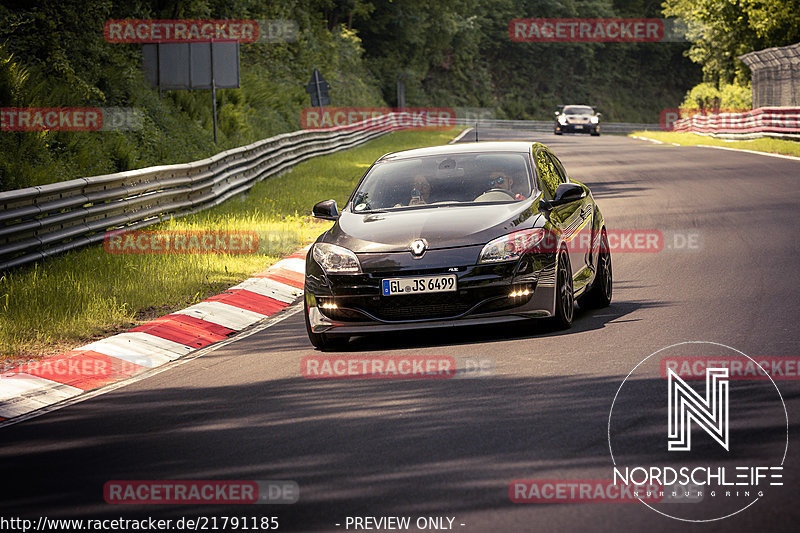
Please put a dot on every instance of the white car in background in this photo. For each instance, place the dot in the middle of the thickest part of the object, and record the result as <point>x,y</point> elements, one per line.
<point>577,119</point>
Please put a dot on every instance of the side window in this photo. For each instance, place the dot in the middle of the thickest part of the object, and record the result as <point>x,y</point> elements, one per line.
<point>548,175</point>
<point>562,174</point>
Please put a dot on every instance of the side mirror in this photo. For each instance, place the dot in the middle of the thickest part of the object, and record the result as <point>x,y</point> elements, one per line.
<point>565,193</point>
<point>326,210</point>
<point>599,114</point>
<point>556,113</point>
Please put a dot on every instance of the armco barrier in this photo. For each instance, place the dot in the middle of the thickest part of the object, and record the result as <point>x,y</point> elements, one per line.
<point>782,122</point>
<point>37,222</point>
<point>548,125</point>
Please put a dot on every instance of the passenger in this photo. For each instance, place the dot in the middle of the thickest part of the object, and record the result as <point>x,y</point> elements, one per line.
<point>520,177</point>
<point>420,191</point>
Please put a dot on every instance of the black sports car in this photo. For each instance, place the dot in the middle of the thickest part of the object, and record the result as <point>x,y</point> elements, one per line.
<point>457,234</point>
<point>577,119</point>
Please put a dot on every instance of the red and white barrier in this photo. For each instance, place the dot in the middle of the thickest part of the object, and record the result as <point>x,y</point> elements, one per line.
<point>765,121</point>
<point>42,383</point>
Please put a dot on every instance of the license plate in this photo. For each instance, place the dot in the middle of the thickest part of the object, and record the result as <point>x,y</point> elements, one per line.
<point>579,127</point>
<point>425,284</point>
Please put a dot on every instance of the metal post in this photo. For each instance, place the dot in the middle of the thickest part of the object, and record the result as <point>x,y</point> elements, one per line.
<point>401,90</point>
<point>319,93</point>
<point>213,92</point>
<point>158,68</point>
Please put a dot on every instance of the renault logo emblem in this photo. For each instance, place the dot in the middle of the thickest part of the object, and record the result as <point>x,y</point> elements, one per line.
<point>418,247</point>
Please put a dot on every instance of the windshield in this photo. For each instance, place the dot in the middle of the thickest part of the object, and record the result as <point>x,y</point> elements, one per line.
<point>444,179</point>
<point>578,110</point>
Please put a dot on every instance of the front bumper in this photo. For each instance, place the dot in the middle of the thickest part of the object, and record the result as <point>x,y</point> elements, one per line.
<point>577,128</point>
<point>482,295</point>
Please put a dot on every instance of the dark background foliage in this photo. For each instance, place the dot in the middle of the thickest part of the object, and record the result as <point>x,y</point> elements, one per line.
<point>454,54</point>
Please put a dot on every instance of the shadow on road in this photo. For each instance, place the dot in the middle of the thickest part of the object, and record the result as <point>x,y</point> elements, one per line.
<point>585,320</point>
<point>356,447</point>
<point>602,190</point>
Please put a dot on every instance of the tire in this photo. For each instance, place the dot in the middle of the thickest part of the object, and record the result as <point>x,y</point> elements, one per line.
<point>565,299</point>
<point>595,134</point>
<point>322,341</point>
<point>558,132</point>
<point>599,295</point>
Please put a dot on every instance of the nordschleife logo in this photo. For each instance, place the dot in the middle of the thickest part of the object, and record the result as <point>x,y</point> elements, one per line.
<point>686,406</point>
<point>711,445</point>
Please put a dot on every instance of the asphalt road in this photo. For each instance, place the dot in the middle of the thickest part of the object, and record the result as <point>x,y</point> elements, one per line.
<point>451,447</point>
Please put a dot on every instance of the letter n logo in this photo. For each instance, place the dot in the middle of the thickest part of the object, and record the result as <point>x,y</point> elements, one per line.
<point>685,405</point>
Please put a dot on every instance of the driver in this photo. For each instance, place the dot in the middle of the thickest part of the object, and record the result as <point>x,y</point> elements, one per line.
<point>499,179</point>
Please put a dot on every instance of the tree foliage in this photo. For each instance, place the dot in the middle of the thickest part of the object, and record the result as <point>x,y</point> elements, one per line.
<point>52,53</point>
<point>451,54</point>
<point>460,54</point>
<point>728,97</point>
<point>722,30</point>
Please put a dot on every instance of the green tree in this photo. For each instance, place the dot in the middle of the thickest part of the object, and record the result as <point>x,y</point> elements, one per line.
<point>722,30</point>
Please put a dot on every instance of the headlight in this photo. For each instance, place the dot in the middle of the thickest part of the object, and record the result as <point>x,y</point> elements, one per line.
<point>512,246</point>
<point>594,120</point>
<point>562,119</point>
<point>335,259</point>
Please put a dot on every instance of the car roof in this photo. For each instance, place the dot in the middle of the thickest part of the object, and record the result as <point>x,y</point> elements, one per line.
<point>461,148</point>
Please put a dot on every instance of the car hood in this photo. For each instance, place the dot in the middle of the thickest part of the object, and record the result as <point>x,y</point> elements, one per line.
<point>441,227</point>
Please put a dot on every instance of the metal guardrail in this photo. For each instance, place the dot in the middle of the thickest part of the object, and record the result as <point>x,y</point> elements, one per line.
<point>38,222</point>
<point>770,123</point>
<point>547,125</point>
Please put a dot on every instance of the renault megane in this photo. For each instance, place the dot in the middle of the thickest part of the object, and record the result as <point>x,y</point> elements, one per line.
<point>455,235</point>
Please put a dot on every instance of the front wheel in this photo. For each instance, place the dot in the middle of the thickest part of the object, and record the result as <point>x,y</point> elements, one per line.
<point>565,300</point>
<point>599,294</point>
<point>322,341</point>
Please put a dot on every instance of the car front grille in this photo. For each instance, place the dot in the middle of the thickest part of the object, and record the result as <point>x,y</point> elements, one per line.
<point>439,305</point>
<point>421,306</point>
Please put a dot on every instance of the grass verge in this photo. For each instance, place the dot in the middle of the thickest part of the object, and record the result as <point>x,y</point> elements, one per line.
<point>86,294</point>
<point>766,144</point>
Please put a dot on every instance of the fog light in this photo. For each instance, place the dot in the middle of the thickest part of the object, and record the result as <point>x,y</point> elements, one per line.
<point>329,305</point>
<point>519,293</point>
